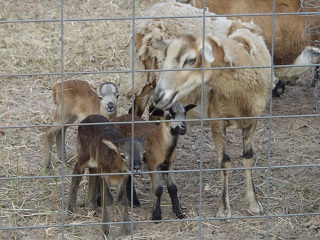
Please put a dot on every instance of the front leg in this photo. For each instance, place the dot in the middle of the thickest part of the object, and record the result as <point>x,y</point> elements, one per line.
<point>218,129</point>
<point>106,203</point>
<point>135,200</point>
<point>157,191</point>
<point>248,162</point>
<point>123,208</point>
<point>172,188</point>
<point>173,192</point>
<point>74,186</point>
<point>94,192</point>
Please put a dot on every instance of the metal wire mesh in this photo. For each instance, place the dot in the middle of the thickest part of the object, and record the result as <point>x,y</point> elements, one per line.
<point>312,31</point>
<point>201,219</point>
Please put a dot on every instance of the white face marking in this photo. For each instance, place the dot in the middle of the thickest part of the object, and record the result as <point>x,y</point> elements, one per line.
<point>172,85</point>
<point>108,94</point>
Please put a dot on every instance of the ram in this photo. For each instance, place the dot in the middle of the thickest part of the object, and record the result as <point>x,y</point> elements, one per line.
<point>77,101</point>
<point>105,150</point>
<point>160,146</point>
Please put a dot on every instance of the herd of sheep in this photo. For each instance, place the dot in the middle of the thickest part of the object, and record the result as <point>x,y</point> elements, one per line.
<point>218,66</point>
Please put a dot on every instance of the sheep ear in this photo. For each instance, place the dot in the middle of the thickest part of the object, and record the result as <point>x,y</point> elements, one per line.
<point>189,107</point>
<point>207,52</point>
<point>161,44</point>
<point>111,145</point>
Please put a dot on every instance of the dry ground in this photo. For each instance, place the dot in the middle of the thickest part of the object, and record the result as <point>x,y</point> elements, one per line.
<point>26,104</point>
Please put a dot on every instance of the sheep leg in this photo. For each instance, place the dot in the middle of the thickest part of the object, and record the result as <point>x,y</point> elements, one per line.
<point>218,129</point>
<point>173,192</point>
<point>60,142</point>
<point>93,190</point>
<point>157,191</point>
<point>135,200</point>
<point>172,188</point>
<point>74,186</point>
<point>106,203</point>
<point>248,161</point>
<point>48,142</point>
<point>123,207</point>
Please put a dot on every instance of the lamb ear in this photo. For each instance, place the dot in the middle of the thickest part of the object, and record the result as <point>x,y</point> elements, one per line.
<point>111,145</point>
<point>207,52</point>
<point>161,44</point>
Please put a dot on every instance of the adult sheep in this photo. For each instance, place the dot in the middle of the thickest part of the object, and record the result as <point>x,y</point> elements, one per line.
<point>233,92</point>
<point>148,55</point>
<point>290,40</point>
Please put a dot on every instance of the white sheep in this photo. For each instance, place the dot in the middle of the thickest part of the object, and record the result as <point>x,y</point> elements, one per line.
<point>79,100</point>
<point>290,38</point>
<point>239,92</point>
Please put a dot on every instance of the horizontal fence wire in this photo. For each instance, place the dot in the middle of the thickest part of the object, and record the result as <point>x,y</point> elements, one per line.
<point>312,28</point>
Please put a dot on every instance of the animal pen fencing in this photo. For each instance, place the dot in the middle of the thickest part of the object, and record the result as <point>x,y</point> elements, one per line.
<point>44,42</point>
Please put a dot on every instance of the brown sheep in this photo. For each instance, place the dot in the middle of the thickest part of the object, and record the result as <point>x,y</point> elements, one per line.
<point>105,150</point>
<point>79,101</point>
<point>160,147</point>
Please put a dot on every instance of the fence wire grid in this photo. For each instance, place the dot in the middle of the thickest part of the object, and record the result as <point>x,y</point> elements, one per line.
<point>45,42</point>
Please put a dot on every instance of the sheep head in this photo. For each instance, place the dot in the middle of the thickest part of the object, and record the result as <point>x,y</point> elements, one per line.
<point>183,53</point>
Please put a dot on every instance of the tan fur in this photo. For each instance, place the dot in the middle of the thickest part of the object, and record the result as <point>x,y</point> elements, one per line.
<point>157,145</point>
<point>79,101</point>
<point>148,56</point>
<point>241,92</point>
<point>158,138</point>
<point>290,37</point>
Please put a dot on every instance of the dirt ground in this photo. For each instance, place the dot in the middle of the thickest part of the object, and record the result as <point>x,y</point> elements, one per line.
<point>31,199</point>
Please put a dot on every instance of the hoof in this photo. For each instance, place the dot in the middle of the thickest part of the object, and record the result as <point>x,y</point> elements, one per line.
<point>181,216</point>
<point>255,209</point>
<point>224,213</point>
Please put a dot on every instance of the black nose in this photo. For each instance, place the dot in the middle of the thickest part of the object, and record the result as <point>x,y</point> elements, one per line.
<point>137,167</point>
<point>110,105</point>
<point>183,125</point>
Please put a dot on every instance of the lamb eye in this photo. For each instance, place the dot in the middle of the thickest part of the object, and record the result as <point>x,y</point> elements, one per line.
<point>189,61</point>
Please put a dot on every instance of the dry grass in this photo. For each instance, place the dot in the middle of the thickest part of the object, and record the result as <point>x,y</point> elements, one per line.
<point>103,46</point>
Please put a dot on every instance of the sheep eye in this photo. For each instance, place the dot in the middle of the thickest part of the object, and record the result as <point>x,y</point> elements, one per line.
<point>123,156</point>
<point>117,96</point>
<point>189,61</point>
<point>169,116</point>
<point>100,98</point>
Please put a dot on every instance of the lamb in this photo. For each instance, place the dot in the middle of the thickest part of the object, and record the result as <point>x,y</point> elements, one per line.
<point>234,92</point>
<point>79,101</point>
<point>294,51</point>
<point>148,56</point>
<point>105,150</point>
<point>160,146</point>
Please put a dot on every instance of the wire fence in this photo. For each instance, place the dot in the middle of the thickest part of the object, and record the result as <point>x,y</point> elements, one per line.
<point>32,201</point>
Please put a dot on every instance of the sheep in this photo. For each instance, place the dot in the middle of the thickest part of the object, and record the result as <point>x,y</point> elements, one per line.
<point>293,51</point>
<point>105,150</point>
<point>160,146</point>
<point>149,31</point>
<point>79,100</point>
<point>234,92</point>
